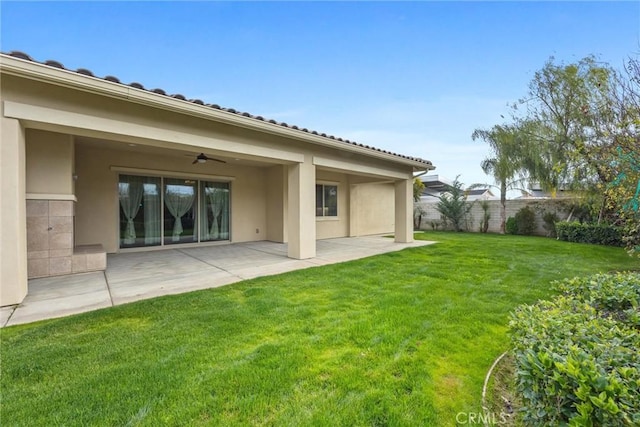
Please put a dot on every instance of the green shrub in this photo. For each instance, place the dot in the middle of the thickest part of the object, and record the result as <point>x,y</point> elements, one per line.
<point>550,219</point>
<point>523,223</point>
<point>599,234</point>
<point>486,216</point>
<point>526,221</point>
<point>616,295</point>
<point>577,356</point>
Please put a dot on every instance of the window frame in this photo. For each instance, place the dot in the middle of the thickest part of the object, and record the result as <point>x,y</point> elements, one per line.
<point>324,208</point>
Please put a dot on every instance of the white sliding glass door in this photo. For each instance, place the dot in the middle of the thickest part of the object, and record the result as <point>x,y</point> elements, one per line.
<point>158,211</point>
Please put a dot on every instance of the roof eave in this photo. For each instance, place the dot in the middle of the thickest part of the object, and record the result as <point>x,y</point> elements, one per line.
<point>67,78</point>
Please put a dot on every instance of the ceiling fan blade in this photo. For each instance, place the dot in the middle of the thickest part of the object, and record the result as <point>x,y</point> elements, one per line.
<point>194,162</point>
<point>216,160</point>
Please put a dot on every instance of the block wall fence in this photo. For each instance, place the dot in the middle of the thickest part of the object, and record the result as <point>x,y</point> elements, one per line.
<point>431,217</point>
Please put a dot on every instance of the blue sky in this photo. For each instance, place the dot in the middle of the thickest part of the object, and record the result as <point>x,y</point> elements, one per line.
<point>412,77</point>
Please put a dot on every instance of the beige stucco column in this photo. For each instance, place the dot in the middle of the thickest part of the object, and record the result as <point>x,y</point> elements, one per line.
<point>404,211</point>
<point>301,210</point>
<point>13,222</point>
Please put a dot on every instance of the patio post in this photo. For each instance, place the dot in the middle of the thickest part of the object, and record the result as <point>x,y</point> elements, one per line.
<point>301,206</point>
<point>404,211</point>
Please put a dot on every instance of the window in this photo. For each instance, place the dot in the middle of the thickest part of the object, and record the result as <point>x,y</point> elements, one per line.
<point>326,200</point>
<point>159,211</point>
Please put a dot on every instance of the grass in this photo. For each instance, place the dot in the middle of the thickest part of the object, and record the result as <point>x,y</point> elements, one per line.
<point>403,338</point>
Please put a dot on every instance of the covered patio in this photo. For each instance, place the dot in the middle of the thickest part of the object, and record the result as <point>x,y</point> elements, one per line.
<point>135,276</point>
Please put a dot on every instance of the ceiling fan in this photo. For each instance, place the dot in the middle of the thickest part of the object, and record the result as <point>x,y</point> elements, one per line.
<point>202,158</point>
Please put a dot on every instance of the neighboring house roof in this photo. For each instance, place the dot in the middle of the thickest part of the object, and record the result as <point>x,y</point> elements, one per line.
<point>436,185</point>
<point>419,163</point>
<point>535,191</point>
<point>480,194</point>
<point>436,182</point>
<point>541,194</point>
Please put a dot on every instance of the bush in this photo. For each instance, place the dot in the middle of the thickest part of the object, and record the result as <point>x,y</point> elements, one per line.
<point>453,205</point>
<point>599,234</point>
<point>511,227</point>
<point>576,356</point>
<point>523,223</point>
<point>526,221</point>
<point>550,219</point>
<point>486,216</point>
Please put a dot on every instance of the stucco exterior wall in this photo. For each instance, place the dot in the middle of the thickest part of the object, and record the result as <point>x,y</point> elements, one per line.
<point>50,158</point>
<point>331,227</point>
<point>13,241</point>
<point>97,208</point>
<point>373,209</point>
<point>276,202</point>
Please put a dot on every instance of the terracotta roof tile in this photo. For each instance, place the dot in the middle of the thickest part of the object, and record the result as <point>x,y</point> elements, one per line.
<point>86,72</point>
<point>52,63</point>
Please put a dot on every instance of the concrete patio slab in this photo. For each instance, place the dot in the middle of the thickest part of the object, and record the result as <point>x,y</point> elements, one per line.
<point>5,313</point>
<point>151,287</point>
<point>133,276</point>
<point>61,296</point>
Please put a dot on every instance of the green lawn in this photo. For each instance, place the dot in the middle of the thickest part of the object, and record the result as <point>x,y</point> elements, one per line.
<point>398,339</point>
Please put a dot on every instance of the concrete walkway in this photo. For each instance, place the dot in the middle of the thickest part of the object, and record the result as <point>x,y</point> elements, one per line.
<point>139,275</point>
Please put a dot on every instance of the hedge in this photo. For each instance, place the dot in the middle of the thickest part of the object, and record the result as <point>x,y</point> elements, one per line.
<point>577,356</point>
<point>600,234</point>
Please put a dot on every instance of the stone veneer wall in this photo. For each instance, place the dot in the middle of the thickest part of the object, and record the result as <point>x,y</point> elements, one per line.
<point>50,241</point>
<point>49,237</point>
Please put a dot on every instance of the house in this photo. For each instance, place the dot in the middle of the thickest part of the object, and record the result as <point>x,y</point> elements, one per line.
<point>480,194</point>
<point>90,166</point>
<point>535,191</point>
<point>436,185</point>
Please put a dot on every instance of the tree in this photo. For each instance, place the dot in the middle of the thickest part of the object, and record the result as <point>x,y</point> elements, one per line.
<point>453,205</point>
<point>567,111</point>
<point>418,188</point>
<point>418,211</point>
<point>505,162</point>
<point>623,165</point>
<point>577,128</point>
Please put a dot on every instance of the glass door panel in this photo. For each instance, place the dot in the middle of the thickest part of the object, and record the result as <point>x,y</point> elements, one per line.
<point>139,198</point>
<point>214,211</point>
<point>180,203</point>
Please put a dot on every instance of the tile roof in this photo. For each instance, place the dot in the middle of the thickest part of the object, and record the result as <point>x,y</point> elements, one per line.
<point>86,72</point>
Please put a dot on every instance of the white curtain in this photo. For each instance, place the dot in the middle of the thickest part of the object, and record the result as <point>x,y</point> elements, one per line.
<point>152,220</point>
<point>130,194</point>
<point>215,211</point>
<point>223,203</point>
<point>178,204</point>
<point>217,202</point>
